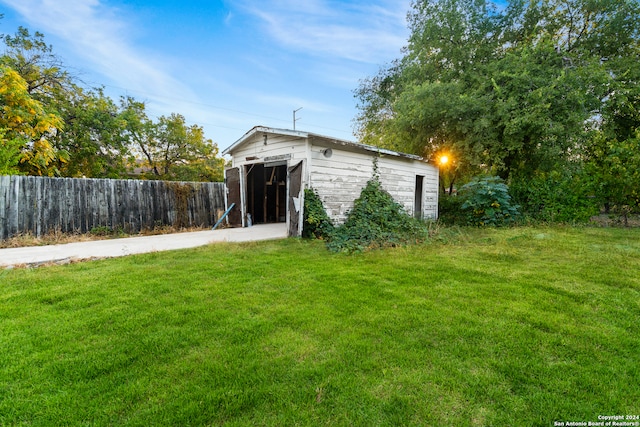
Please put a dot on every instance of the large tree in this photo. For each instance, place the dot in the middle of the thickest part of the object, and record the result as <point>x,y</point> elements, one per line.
<point>26,128</point>
<point>182,152</point>
<point>94,135</point>
<point>169,149</point>
<point>32,80</point>
<point>91,142</point>
<point>51,125</point>
<point>515,90</point>
<point>31,57</point>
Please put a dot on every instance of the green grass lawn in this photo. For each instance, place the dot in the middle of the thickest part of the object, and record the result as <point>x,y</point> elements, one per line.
<point>521,327</point>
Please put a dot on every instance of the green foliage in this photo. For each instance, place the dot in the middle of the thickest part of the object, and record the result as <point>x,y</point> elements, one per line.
<point>559,196</point>
<point>316,222</point>
<point>375,221</point>
<point>527,91</point>
<point>514,90</point>
<point>181,152</point>
<point>170,149</point>
<point>93,135</point>
<point>68,130</point>
<point>101,231</point>
<point>35,61</point>
<point>614,167</point>
<point>10,154</point>
<point>26,120</point>
<point>450,209</point>
<point>486,202</point>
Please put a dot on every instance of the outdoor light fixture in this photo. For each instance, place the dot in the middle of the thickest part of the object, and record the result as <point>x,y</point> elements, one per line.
<point>327,152</point>
<point>265,139</point>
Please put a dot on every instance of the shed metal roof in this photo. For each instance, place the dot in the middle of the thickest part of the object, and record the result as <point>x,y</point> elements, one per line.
<point>309,135</point>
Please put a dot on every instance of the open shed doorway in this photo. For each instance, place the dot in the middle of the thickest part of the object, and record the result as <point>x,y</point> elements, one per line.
<point>266,192</point>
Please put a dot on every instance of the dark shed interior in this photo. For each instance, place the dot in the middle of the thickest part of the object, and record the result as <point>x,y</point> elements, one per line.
<point>266,192</point>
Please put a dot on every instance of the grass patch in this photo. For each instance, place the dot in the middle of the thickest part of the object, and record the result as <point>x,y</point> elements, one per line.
<point>518,326</point>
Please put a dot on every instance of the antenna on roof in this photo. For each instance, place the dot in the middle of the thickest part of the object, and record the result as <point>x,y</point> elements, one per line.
<point>294,117</point>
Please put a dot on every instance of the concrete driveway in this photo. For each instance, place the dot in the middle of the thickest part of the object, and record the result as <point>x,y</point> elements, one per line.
<point>37,255</point>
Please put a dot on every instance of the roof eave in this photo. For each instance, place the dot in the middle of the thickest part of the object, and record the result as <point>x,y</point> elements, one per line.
<point>257,129</point>
<point>265,129</point>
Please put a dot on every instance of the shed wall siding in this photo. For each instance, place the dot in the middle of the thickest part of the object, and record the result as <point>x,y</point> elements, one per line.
<point>277,145</point>
<point>339,180</point>
<point>398,177</point>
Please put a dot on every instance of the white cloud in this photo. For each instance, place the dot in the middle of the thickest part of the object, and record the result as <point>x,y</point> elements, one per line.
<point>241,81</point>
<point>370,33</point>
<point>228,18</point>
<point>100,35</point>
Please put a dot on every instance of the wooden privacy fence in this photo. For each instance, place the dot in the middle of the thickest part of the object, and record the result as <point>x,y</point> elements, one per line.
<point>37,205</point>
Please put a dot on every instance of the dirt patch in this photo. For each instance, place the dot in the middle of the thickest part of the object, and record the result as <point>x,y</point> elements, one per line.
<point>610,220</point>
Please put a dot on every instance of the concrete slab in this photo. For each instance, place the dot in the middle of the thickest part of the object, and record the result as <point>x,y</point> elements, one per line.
<point>36,255</point>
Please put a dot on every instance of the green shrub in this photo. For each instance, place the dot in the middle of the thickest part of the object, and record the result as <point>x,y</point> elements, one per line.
<point>102,230</point>
<point>106,231</point>
<point>316,223</point>
<point>376,220</point>
<point>559,196</point>
<point>486,202</point>
<point>450,209</point>
<point>614,171</point>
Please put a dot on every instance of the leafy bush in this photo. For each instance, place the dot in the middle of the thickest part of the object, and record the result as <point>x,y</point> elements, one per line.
<point>556,197</point>
<point>450,209</point>
<point>486,201</point>
<point>10,154</point>
<point>316,223</point>
<point>102,230</point>
<point>376,220</point>
<point>614,170</point>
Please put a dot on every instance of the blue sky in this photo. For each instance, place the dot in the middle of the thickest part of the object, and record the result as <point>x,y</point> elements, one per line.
<point>225,65</point>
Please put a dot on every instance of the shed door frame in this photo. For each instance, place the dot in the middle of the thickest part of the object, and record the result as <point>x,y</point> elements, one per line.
<point>265,192</point>
<point>234,194</point>
<point>295,195</point>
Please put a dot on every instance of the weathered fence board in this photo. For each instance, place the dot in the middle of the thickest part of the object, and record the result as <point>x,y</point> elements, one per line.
<point>39,205</point>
